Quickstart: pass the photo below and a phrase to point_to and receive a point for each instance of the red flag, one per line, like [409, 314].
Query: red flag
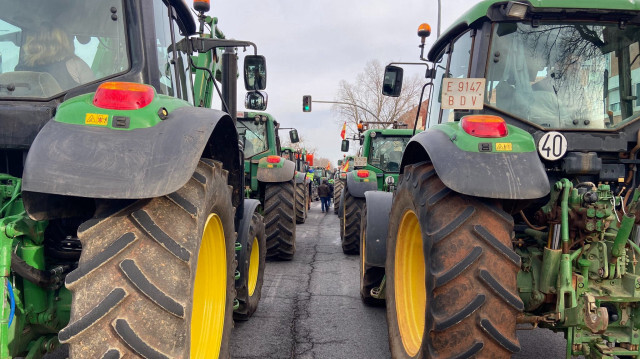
[328, 166]
[343, 133]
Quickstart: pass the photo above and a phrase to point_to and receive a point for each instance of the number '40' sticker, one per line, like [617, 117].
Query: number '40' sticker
[552, 146]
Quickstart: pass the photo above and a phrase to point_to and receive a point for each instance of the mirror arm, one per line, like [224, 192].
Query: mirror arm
[415, 123]
[428, 73]
[204, 44]
[212, 79]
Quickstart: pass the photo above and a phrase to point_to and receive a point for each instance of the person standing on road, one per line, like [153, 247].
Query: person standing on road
[324, 192]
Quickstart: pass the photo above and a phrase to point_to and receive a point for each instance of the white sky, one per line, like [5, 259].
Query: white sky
[311, 45]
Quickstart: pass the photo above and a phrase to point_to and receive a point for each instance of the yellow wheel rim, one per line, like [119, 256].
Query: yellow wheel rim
[409, 289]
[209, 292]
[254, 263]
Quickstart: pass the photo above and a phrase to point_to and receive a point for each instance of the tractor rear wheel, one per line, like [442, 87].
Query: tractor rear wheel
[280, 220]
[337, 191]
[156, 279]
[370, 276]
[301, 202]
[251, 266]
[450, 273]
[350, 222]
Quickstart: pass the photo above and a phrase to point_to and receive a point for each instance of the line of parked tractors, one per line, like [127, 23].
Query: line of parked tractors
[135, 219]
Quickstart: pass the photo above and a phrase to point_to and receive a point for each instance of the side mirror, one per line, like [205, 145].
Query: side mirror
[361, 140]
[293, 136]
[255, 72]
[392, 83]
[339, 162]
[344, 147]
[256, 100]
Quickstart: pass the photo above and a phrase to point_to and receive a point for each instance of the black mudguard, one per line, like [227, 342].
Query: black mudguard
[250, 206]
[378, 210]
[301, 177]
[280, 174]
[96, 162]
[501, 175]
[357, 189]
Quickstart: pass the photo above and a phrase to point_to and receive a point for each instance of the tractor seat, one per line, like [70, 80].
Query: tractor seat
[28, 84]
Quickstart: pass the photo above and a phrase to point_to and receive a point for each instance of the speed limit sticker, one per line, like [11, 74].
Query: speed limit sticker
[552, 146]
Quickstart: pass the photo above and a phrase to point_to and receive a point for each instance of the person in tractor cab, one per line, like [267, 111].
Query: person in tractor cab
[50, 49]
[324, 193]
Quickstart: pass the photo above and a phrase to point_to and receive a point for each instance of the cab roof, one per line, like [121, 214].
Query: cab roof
[392, 131]
[608, 10]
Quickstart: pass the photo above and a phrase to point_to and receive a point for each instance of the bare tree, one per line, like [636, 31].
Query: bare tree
[321, 162]
[366, 91]
[300, 145]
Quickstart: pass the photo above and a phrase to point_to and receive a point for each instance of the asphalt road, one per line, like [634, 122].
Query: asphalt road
[311, 308]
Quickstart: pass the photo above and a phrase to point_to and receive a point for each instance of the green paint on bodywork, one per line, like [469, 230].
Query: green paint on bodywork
[520, 140]
[40, 312]
[74, 111]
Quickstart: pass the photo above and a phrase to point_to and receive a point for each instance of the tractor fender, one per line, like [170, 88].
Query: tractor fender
[301, 177]
[250, 206]
[357, 189]
[502, 175]
[277, 174]
[378, 210]
[98, 162]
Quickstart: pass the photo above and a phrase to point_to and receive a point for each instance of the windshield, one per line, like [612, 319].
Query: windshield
[254, 136]
[287, 154]
[565, 76]
[49, 47]
[386, 152]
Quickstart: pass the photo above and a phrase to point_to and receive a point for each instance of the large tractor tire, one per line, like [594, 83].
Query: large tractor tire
[350, 223]
[280, 220]
[301, 202]
[156, 279]
[451, 273]
[337, 192]
[370, 276]
[251, 264]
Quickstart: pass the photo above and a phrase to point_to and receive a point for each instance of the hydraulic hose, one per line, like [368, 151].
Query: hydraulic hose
[12, 302]
[36, 276]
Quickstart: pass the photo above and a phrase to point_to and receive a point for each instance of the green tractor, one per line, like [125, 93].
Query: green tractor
[375, 169]
[303, 184]
[271, 179]
[519, 204]
[121, 193]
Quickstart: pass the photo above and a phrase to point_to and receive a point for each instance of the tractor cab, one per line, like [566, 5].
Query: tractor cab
[381, 152]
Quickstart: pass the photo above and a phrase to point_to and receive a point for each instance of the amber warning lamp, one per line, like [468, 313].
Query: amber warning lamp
[424, 30]
[201, 5]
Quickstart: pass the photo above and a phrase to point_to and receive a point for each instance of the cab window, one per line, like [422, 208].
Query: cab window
[167, 73]
[460, 58]
[436, 97]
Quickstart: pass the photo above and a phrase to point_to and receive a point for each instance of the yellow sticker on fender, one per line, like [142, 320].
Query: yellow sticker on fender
[504, 146]
[96, 119]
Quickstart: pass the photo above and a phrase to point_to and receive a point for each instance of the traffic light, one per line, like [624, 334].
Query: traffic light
[306, 103]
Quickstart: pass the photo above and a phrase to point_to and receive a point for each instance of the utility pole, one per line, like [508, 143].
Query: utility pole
[439, 11]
